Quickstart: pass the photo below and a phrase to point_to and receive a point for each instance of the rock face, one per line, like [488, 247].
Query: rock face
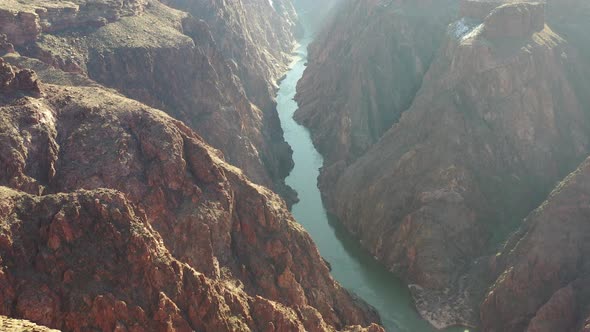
[18, 80]
[498, 120]
[178, 240]
[256, 36]
[176, 62]
[353, 89]
[90, 260]
[19, 325]
[24, 21]
[543, 270]
[5, 46]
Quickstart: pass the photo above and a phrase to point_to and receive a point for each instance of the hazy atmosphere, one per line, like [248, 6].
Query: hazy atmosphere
[295, 165]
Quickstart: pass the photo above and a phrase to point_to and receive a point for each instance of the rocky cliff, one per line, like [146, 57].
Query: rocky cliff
[115, 216]
[177, 62]
[498, 120]
[364, 70]
[255, 36]
[543, 270]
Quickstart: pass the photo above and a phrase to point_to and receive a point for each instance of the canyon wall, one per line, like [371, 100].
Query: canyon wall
[215, 70]
[115, 216]
[363, 71]
[543, 273]
[434, 184]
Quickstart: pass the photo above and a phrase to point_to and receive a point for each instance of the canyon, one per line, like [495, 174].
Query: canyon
[289, 165]
[442, 126]
[117, 216]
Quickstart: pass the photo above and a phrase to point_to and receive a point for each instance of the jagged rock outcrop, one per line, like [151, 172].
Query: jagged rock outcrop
[19, 325]
[543, 282]
[497, 122]
[90, 260]
[208, 249]
[13, 80]
[353, 89]
[170, 60]
[5, 46]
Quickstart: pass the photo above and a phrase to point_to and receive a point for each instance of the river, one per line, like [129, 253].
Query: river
[352, 266]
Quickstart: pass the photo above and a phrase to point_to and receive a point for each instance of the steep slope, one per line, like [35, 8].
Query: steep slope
[364, 69]
[543, 282]
[497, 122]
[255, 36]
[90, 260]
[173, 207]
[167, 59]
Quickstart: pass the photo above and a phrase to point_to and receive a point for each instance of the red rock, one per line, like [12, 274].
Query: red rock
[557, 314]
[21, 27]
[496, 122]
[170, 60]
[541, 280]
[174, 207]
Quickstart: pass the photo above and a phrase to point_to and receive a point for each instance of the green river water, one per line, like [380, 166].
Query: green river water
[352, 266]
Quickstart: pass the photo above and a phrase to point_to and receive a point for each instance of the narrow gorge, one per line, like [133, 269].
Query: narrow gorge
[444, 125]
[351, 265]
[295, 165]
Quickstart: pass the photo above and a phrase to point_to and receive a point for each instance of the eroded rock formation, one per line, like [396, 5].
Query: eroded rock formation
[256, 36]
[178, 240]
[543, 281]
[176, 62]
[14, 80]
[353, 89]
[499, 118]
[24, 21]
